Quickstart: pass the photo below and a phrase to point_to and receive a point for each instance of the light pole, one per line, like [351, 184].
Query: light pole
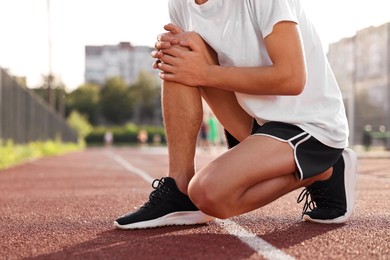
[50, 90]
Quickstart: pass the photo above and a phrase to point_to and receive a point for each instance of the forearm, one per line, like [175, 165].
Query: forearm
[268, 80]
[285, 76]
[190, 66]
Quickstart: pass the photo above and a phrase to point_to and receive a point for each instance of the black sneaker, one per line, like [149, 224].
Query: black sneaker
[332, 201]
[167, 206]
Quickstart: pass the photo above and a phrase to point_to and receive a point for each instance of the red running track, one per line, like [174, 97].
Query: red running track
[63, 208]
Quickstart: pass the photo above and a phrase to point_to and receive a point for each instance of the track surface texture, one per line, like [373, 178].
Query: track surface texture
[63, 208]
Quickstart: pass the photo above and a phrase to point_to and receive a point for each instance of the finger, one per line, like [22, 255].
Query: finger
[162, 45]
[156, 54]
[176, 51]
[173, 28]
[166, 68]
[167, 76]
[167, 59]
[164, 36]
[167, 37]
[155, 64]
[190, 44]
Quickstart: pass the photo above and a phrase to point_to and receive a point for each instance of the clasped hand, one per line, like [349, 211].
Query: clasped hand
[179, 57]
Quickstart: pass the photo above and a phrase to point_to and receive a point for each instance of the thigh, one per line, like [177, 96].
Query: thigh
[311, 156]
[256, 159]
[230, 114]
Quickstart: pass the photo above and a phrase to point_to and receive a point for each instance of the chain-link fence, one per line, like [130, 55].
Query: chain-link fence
[25, 117]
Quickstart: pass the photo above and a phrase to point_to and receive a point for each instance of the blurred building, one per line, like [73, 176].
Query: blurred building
[361, 65]
[124, 60]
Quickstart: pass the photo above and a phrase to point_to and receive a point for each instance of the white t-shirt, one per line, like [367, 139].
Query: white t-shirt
[236, 29]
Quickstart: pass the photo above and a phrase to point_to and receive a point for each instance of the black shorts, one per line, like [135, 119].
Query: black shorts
[311, 156]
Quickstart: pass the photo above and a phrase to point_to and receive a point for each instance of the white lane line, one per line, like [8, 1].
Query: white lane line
[253, 241]
[379, 178]
[125, 164]
[250, 239]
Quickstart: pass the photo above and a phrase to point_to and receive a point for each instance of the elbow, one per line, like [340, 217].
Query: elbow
[298, 85]
[294, 83]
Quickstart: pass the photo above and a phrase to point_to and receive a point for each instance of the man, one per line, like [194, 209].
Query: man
[250, 60]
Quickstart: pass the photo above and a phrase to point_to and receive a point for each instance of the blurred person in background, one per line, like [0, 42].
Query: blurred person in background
[108, 139]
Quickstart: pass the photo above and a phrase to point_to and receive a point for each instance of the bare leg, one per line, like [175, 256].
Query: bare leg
[224, 103]
[259, 170]
[182, 112]
[256, 172]
[230, 114]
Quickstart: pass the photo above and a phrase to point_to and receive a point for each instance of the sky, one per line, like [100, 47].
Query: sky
[24, 30]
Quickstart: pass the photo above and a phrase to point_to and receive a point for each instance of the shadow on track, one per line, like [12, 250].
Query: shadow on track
[162, 243]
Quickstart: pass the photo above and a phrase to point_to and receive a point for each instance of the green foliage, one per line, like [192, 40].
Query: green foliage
[124, 135]
[79, 123]
[146, 93]
[116, 102]
[86, 100]
[11, 154]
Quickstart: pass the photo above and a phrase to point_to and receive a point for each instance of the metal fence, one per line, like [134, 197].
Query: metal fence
[25, 117]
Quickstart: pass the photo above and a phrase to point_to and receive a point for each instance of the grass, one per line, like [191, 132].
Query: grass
[12, 154]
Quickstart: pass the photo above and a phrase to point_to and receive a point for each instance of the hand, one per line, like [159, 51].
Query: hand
[188, 61]
[165, 41]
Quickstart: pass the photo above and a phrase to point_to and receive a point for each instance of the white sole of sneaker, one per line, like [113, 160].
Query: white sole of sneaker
[172, 219]
[350, 172]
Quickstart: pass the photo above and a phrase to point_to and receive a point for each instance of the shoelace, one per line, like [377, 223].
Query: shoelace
[313, 198]
[309, 203]
[160, 191]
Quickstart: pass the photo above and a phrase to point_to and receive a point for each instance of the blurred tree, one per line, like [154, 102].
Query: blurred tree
[116, 102]
[54, 98]
[79, 123]
[22, 81]
[85, 99]
[146, 93]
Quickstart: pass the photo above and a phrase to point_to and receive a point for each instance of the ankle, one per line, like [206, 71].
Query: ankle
[181, 183]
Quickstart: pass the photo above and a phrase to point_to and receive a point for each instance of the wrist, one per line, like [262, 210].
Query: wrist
[210, 77]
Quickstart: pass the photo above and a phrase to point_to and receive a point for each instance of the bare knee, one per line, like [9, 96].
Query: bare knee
[194, 37]
[207, 200]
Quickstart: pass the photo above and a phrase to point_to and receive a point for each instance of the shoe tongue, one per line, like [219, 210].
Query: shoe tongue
[170, 182]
